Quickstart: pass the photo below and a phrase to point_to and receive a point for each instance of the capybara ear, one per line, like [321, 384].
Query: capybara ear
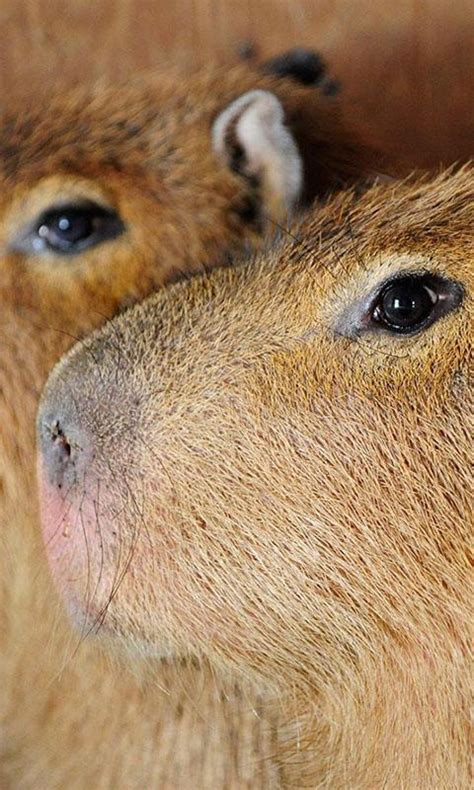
[251, 136]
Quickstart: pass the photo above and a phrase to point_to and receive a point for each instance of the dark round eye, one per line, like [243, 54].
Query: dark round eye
[66, 228]
[405, 304]
[72, 229]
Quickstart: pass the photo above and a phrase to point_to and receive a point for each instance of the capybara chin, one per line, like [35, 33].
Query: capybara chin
[270, 467]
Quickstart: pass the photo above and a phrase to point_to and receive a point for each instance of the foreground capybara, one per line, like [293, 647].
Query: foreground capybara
[106, 194]
[268, 469]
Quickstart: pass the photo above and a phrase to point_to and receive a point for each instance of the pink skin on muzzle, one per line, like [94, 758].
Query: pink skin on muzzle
[71, 526]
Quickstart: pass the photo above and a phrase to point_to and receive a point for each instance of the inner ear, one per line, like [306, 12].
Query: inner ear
[251, 137]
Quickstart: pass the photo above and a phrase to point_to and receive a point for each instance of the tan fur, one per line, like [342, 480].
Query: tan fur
[67, 719]
[289, 502]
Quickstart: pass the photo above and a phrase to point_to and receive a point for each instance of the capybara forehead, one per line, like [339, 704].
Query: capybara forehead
[429, 218]
[67, 136]
[121, 126]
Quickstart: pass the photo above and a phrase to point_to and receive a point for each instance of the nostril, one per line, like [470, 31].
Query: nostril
[59, 439]
[61, 452]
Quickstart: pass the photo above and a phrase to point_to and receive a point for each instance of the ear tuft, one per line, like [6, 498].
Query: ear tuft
[251, 137]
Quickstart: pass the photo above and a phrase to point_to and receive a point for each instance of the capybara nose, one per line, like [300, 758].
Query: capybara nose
[65, 448]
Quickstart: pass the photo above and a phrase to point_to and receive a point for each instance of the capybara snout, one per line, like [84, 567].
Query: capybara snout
[84, 490]
[280, 453]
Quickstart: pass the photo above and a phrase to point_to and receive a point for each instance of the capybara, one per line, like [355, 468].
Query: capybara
[108, 192]
[268, 469]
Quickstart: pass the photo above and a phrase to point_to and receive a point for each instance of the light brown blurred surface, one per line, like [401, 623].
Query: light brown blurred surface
[407, 66]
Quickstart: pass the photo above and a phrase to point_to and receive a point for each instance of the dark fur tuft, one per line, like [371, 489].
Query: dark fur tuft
[302, 65]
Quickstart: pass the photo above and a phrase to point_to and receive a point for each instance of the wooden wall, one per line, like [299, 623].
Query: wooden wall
[408, 66]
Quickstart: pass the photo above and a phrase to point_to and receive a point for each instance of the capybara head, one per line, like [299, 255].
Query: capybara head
[269, 466]
[277, 450]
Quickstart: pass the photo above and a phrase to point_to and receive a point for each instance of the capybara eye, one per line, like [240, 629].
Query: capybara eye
[70, 229]
[405, 304]
[409, 303]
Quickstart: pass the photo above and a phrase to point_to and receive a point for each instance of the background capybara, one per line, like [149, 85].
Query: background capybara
[107, 193]
[269, 469]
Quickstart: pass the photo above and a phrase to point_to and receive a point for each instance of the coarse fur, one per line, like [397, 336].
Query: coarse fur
[68, 718]
[260, 479]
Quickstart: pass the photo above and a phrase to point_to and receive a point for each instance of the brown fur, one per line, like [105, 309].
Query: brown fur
[290, 501]
[145, 149]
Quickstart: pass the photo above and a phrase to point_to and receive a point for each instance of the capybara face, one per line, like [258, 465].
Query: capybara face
[270, 465]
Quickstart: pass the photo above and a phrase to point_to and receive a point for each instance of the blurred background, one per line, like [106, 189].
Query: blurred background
[407, 66]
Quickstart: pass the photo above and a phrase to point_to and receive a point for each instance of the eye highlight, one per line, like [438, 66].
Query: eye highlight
[409, 303]
[70, 229]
